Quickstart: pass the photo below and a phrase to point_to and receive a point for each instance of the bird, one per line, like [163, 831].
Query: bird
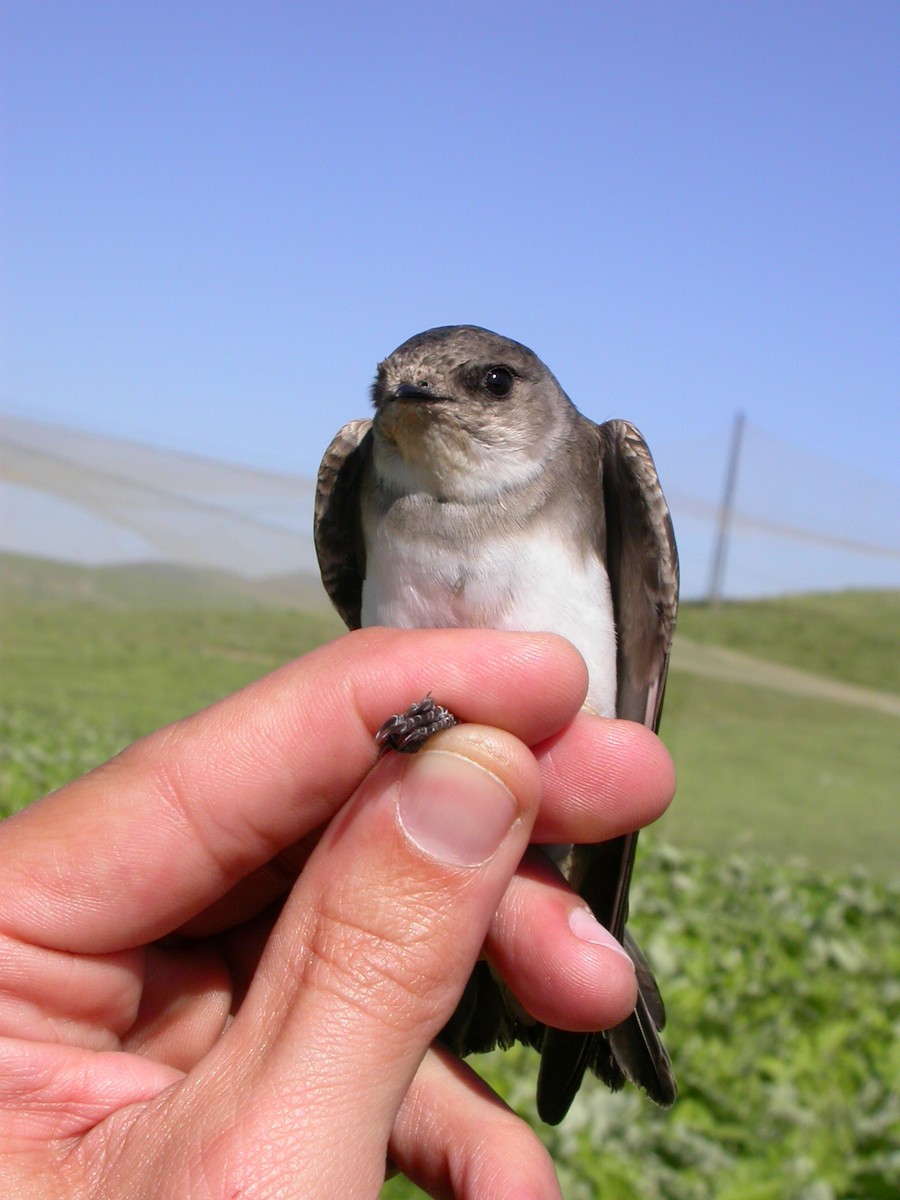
[479, 496]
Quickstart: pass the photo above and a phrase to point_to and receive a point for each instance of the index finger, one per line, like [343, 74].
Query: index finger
[139, 846]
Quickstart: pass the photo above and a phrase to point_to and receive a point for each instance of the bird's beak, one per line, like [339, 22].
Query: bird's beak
[414, 391]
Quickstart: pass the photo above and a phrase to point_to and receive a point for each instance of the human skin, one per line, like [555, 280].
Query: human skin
[225, 954]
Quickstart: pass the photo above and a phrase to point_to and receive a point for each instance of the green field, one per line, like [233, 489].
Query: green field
[93, 659]
[851, 636]
[767, 897]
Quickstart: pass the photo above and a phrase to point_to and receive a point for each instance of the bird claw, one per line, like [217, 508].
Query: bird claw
[409, 731]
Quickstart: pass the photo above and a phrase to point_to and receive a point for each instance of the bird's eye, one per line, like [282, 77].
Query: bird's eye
[499, 381]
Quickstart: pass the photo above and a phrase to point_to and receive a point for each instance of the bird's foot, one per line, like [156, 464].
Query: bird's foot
[408, 732]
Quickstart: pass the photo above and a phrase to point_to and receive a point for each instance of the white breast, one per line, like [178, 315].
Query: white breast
[529, 582]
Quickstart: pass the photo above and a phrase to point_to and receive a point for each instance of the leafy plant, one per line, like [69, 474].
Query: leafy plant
[783, 992]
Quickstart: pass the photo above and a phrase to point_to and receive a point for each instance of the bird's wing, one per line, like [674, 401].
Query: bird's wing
[336, 529]
[642, 564]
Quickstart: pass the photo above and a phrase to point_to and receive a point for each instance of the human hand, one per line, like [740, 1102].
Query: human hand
[202, 994]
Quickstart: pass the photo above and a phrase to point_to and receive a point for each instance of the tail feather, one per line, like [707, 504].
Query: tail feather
[565, 1057]
[632, 1050]
[639, 1052]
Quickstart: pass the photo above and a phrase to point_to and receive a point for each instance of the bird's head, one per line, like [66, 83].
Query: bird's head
[461, 412]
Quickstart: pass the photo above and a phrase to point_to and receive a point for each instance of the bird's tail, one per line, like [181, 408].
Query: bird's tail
[632, 1050]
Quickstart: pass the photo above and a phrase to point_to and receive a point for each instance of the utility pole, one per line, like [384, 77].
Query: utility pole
[726, 510]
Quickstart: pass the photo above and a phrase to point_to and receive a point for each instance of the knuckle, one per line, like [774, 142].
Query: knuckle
[386, 965]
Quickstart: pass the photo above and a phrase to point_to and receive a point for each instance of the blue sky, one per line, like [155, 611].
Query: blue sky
[220, 216]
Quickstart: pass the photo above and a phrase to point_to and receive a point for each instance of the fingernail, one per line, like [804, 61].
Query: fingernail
[454, 809]
[587, 928]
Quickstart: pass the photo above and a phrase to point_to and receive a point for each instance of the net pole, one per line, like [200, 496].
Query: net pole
[726, 511]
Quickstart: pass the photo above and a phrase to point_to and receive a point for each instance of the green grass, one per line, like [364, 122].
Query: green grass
[784, 775]
[781, 775]
[43, 582]
[758, 769]
[81, 681]
[851, 636]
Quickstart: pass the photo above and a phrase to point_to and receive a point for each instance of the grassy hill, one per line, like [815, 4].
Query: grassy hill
[97, 656]
[42, 582]
[851, 636]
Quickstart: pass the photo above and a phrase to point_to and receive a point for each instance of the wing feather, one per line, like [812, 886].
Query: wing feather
[642, 561]
[336, 529]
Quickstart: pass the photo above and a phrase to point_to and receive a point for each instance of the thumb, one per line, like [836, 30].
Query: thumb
[375, 946]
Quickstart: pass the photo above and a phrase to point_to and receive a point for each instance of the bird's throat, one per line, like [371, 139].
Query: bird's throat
[417, 449]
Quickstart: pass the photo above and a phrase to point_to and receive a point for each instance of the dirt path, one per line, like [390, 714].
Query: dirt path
[718, 662]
